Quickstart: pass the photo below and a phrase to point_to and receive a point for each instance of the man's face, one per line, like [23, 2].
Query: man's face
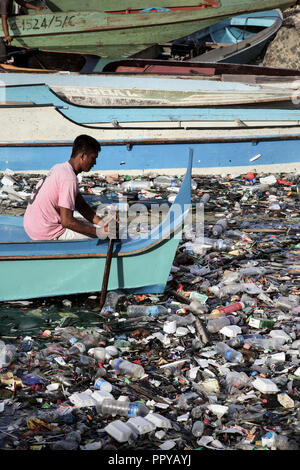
[89, 160]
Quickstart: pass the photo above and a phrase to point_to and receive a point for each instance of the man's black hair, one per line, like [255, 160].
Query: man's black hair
[85, 143]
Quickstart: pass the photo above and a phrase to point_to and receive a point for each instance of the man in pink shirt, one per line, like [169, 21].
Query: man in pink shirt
[49, 214]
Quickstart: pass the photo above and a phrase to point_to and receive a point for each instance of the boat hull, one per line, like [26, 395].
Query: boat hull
[21, 279]
[77, 30]
[144, 151]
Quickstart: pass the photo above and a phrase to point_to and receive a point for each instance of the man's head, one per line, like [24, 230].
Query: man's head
[85, 152]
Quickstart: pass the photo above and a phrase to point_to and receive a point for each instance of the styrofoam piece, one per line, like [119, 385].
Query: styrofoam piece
[230, 331]
[265, 385]
[141, 425]
[170, 327]
[112, 351]
[119, 430]
[218, 410]
[182, 331]
[82, 399]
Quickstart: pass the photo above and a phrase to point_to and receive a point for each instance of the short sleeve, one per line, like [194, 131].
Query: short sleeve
[5, 7]
[67, 194]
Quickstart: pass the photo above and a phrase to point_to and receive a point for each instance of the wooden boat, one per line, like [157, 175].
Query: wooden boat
[35, 137]
[207, 104]
[39, 64]
[79, 30]
[31, 269]
[240, 39]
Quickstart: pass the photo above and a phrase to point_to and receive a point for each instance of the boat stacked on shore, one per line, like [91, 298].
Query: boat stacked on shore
[151, 105]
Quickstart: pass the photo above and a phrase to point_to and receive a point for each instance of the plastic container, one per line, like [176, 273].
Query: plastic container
[218, 245]
[224, 291]
[265, 385]
[112, 407]
[240, 340]
[228, 309]
[141, 425]
[198, 428]
[111, 302]
[98, 353]
[77, 348]
[237, 379]
[205, 198]
[173, 369]
[7, 355]
[219, 227]
[135, 185]
[147, 310]
[159, 420]
[103, 385]
[216, 324]
[128, 368]
[164, 181]
[230, 354]
[120, 431]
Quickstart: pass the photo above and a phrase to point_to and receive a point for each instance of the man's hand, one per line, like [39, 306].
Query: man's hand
[7, 39]
[107, 227]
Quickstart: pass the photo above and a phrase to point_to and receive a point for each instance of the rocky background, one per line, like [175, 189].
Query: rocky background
[284, 50]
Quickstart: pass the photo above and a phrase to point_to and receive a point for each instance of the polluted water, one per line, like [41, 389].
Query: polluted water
[211, 364]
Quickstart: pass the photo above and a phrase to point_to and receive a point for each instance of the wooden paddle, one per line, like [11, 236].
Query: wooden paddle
[107, 267]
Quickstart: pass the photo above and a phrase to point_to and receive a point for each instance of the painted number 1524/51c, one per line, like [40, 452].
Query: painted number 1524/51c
[45, 22]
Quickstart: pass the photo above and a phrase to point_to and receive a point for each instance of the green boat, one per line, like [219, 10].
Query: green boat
[90, 31]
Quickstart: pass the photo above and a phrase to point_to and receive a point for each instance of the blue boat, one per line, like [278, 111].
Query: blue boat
[31, 269]
[252, 105]
[240, 39]
[33, 138]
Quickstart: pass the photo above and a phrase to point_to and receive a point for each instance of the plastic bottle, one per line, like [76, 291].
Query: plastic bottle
[111, 302]
[198, 428]
[217, 245]
[239, 340]
[7, 355]
[205, 198]
[164, 181]
[98, 353]
[147, 310]
[128, 368]
[224, 291]
[237, 379]
[136, 185]
[113, 407]
[89, 341]
[227, 309]
[77, 348]
[230, 354]
[216, 324]
[219, 227]
[103, 385]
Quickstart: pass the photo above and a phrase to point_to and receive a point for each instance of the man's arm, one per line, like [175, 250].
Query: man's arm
[7, 37]
[22, 3]
[85, 210]
[68, 221]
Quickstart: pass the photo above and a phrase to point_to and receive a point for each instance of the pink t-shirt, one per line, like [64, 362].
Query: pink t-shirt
[58, 189]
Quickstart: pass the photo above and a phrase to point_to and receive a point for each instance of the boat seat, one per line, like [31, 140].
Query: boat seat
[11, 229]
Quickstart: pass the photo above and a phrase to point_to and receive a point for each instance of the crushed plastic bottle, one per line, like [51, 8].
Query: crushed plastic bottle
[113, 407]
[127, 367]
[230, 354]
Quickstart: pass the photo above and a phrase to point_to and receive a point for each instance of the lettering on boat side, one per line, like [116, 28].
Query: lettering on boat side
[41, 22]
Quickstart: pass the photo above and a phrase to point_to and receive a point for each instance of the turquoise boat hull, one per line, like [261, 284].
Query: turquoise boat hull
[33, 269]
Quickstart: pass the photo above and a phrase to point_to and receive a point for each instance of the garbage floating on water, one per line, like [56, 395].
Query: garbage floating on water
[212, 363]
